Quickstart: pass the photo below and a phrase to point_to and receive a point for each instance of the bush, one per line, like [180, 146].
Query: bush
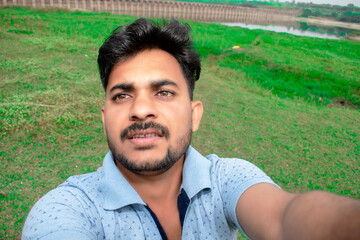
[306, 13]
[317, 14]
[334, 15]
[349, 17]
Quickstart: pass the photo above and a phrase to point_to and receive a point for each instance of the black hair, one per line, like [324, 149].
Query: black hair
[170, 36]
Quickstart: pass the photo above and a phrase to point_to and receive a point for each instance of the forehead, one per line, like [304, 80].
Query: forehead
[146, 67]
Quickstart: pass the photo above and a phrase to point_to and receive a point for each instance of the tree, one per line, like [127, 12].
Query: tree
[349, 17]
[306, 13]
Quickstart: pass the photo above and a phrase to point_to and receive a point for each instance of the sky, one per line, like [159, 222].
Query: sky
[333, 2]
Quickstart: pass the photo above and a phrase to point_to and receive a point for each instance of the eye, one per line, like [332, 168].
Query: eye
[165, 93]
[120, 97]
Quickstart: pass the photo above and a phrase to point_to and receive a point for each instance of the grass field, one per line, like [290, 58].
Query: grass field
[289, 104]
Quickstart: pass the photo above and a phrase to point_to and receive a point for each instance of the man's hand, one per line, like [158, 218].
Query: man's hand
[267, 212]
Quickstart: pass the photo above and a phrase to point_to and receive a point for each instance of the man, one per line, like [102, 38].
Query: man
[153, 184]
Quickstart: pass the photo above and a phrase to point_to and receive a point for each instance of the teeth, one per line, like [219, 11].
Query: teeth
[145, 135]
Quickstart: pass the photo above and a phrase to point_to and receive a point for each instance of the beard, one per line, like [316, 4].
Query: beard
[174, 153]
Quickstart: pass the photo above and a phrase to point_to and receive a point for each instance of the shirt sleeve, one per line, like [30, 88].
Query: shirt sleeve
[63, 213]
[235, 177]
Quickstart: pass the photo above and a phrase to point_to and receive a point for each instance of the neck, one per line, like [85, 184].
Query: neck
[156, 187]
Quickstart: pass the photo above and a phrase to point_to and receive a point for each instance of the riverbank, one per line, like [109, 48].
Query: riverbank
[329, 23]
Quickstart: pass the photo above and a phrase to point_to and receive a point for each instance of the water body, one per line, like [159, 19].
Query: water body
[302, 30]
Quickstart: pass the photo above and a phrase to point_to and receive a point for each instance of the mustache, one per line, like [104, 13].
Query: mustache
[143, 126]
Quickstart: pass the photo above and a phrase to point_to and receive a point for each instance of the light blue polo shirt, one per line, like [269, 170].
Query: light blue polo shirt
[103, 205]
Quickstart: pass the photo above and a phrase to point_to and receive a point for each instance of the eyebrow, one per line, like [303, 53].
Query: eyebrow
[123, 86]
[155, 84]
[163, 83]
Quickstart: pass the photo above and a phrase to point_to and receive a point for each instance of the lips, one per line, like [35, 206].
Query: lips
[144, 133]
[144, 138]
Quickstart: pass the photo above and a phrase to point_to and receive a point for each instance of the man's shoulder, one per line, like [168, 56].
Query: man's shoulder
[234, 172]
[219, 169]
[214, 160]
[224, 162]
[84, 181]
[77, 188]
[74, 201]
[83, 186]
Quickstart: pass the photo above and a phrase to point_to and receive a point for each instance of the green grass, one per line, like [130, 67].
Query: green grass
[277, 102]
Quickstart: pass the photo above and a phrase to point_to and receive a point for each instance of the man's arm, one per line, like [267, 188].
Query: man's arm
[267, 212]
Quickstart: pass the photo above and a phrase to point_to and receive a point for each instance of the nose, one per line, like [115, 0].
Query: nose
[143, 108]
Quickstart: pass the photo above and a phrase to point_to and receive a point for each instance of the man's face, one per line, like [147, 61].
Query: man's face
[148, 116]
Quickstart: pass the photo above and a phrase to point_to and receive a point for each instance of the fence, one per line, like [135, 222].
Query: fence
[167, 9]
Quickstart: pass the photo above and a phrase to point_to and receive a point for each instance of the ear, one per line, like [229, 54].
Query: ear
[197, 112]
[103, 118]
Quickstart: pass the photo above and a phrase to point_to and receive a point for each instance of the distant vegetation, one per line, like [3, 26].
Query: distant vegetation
[350, 17]
[349, 7]
[349, 13]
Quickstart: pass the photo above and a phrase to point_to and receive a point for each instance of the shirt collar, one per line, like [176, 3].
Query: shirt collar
[118, 193]
[196, 173]
[114, 188]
